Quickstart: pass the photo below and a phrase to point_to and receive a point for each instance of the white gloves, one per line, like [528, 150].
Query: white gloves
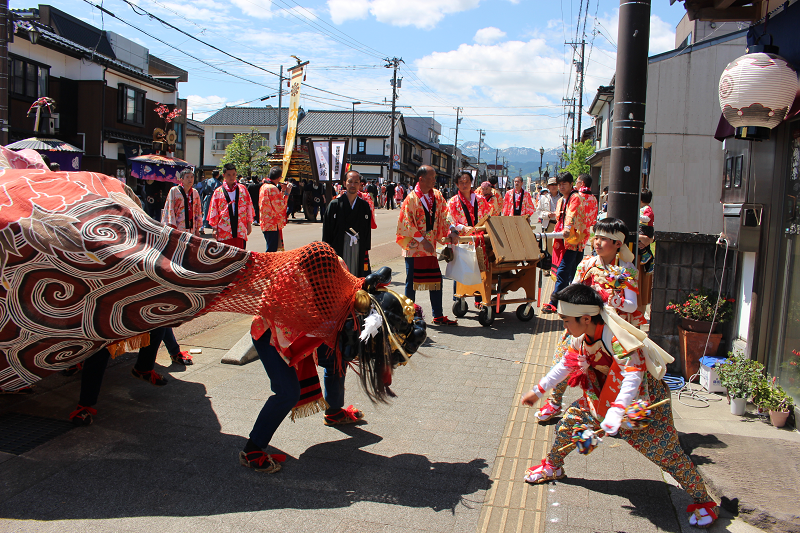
[612, 420]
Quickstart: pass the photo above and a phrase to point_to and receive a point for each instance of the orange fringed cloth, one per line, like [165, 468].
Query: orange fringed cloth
[304, 296]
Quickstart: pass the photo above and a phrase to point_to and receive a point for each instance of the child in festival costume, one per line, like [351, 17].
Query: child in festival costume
[612, 274]
[614, 363]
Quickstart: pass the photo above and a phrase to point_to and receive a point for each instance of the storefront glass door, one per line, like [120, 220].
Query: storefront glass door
[784, 360]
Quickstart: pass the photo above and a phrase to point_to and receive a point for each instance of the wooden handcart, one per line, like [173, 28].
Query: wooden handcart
[512, 255]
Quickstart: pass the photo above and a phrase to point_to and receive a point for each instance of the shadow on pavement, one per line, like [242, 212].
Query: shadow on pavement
[161, 452]
[646, 496]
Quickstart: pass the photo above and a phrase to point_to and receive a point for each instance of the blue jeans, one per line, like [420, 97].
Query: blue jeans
[566, 270]
[436, 296]
[333, 382]
[285, 386]
[273, 240]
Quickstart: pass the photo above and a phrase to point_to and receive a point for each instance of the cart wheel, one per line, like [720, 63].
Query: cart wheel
[486, 316]
[460, 307]
[521, 313]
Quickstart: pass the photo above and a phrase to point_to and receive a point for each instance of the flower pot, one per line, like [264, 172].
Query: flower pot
[738, 406]
[699, 326]
[778, 418]
[692, 346]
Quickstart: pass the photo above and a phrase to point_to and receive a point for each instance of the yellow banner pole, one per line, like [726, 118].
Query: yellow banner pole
[295, 81]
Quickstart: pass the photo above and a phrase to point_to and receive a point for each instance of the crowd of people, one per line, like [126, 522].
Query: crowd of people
[601, 297]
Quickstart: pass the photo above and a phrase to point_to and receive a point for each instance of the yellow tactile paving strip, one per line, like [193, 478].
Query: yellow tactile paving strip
[511, 505]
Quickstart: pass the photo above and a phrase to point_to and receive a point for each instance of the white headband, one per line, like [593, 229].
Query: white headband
[616, 236]
[624, 252]
[568, 309]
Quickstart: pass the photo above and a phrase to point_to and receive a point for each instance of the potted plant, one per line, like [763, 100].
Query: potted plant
[771, 396]
[697, 331]
[741, 376]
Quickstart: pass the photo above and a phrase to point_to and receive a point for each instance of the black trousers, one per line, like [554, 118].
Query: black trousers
[94, 368]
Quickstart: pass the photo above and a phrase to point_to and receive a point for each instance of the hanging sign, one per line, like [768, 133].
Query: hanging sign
[295, 81]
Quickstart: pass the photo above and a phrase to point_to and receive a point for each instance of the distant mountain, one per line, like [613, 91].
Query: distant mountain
[516, 154]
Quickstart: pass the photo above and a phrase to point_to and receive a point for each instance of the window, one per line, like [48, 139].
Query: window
[131, 105]
[361, 146]
[28, 79]
[179, 133]
[733, 172]
[598, 132]
[222, 140]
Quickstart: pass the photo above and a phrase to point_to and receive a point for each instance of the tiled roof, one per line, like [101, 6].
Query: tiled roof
[194, 125]
[247, 116]
[68, 47]
[339, 123]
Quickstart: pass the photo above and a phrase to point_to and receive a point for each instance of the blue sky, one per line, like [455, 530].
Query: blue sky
[503, 61]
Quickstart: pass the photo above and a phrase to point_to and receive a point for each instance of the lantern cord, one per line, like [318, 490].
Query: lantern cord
[687, 390]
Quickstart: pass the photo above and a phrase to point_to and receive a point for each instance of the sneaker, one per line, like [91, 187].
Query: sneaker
[444, 321]
[702, 515]
[183, 358]
[549, 309]
[151, 376]
[259, 461]
[548, 411]
[82, 416]
[351, 415]
[543, 473]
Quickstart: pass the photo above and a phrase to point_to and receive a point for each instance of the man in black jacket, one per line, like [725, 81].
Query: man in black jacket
[349, 211]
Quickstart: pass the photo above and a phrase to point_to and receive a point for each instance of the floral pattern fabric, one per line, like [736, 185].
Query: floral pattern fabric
[459, 218]
[495, 203]
[610, 279]
[220, 219]
[411, 225]
[527, 204]
[271, 208]
[581, 216]
[174, 212]
[368, 197]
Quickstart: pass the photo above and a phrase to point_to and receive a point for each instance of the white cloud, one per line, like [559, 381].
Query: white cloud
[344, 10]
[202, 107]
[488, 35]
[423, 14]
[255, 8]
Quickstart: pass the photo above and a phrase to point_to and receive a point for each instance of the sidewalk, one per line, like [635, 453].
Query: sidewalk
[447, 455]
[166, 458]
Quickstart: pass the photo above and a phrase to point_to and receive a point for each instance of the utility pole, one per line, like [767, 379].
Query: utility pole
[629, 107]
[280, 102]
[456, 159]
[393, 63]
[580, 90]
[579, 65]
[480, 144]
[4, 72]
[570, 103]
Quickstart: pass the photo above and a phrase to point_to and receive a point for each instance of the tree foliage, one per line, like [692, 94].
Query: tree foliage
[576, 158]
[249, 152]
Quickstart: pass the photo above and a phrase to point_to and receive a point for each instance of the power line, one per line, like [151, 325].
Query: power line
[107, 12]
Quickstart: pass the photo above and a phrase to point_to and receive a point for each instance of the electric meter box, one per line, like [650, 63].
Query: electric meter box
[741, 226]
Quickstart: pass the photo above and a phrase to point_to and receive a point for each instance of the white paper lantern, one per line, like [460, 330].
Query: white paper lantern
[756, 92]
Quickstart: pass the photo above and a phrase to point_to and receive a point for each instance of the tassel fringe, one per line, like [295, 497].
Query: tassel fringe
[427, 286]
[308, 409]
[128, 345]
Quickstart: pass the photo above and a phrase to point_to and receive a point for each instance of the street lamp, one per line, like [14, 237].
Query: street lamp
[541, 158]
[352, 129]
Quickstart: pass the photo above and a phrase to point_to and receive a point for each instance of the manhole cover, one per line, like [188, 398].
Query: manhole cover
[21, 433]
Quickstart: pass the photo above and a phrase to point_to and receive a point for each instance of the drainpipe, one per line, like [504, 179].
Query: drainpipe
[103, 124]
